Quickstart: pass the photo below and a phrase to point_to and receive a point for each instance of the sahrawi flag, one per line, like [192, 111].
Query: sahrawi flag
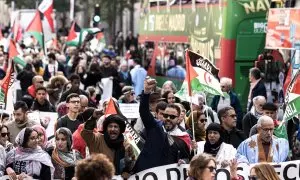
[8, 80]
[46, 7]
[74, 35]
[292, 99]
[200, 77]
[35, 28]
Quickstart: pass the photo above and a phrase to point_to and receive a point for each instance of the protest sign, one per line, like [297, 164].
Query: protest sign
[286, 170]
[46, 119]
[130, 110]
[283, 28]
[107, 86]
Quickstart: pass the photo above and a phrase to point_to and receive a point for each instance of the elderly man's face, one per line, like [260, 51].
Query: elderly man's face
[259, 104]
[266, 131]
[225, 87]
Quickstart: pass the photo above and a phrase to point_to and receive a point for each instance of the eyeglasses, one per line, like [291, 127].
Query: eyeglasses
[252, 177]
[5, 134]
[74, 102]
[40, 134]
[170, 116]
[232, 115]
[212, 169]
[267, 129]
[40, 82]
[202, 120]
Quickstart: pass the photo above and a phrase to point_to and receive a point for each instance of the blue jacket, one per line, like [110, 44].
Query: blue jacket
[234, 102]
[157, 150]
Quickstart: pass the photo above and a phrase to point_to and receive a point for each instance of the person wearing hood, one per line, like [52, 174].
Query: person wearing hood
[165, 142]
[215, 146]
[20, 120]
[29, 159]
[250, 119]
[64, 158]
[110, 142]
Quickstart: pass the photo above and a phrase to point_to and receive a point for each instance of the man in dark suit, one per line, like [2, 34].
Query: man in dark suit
[257, 86]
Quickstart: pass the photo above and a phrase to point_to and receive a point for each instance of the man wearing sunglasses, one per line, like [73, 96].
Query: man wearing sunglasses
[264, 146]
[165, 142]
[232, 135]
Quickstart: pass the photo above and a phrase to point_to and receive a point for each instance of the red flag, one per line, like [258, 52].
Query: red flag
[46, 7]
[111, 108]
[72, 33]
[12, 50]
[35, 28]
[36, 24]
[190, 72]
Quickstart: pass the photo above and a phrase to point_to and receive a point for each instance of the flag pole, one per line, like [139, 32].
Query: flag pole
[206, 105]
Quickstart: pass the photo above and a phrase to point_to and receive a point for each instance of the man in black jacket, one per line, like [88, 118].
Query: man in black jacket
[53, 67]
[41, 103]
[231, 134]
[165, 142]
[257, 86]
[75, 82]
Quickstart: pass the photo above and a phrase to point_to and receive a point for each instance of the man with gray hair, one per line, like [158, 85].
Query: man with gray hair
[232, 100]
[250, 119]
[264, 146]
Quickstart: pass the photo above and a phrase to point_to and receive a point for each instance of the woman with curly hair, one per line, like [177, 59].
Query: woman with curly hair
[97, 167]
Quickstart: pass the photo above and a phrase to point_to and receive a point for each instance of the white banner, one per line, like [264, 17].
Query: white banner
[286, 171]
[130, 111]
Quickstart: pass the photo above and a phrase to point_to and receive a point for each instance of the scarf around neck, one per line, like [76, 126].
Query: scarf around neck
[65, 159]
[118, 147]
[212, 149]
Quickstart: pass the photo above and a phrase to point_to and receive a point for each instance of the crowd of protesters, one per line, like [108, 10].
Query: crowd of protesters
[67, 80]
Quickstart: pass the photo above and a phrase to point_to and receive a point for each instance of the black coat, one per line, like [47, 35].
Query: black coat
[46, 107]
[233, 137]
[249, 121]
[47, 74]
[157, 150]
[258, 90]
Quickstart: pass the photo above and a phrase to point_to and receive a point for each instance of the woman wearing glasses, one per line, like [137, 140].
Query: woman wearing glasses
[199, 125]
[28, 159]
[4, 138]
[202, 167]
[43, 139]
[215, 146]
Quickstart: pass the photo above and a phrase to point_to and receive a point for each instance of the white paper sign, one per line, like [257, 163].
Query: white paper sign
[130, 111]
[107, 86]
[48, 120]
